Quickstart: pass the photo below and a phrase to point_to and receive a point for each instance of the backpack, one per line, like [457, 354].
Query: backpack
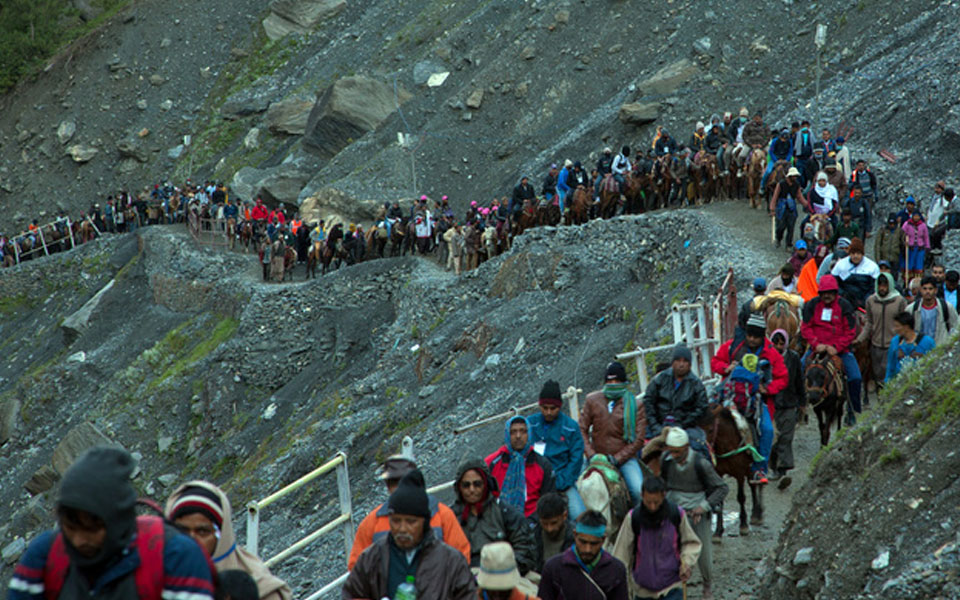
[944, 313]
[148, 577]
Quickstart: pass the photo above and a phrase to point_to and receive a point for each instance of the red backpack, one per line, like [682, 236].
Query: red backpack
[148, 576]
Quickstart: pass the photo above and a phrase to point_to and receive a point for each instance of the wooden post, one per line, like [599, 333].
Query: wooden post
[43, 241]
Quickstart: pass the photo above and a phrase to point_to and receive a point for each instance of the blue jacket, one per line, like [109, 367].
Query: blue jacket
[562, 178]
[186, 572]
[564, 447]
[921, 345]
[780, 150]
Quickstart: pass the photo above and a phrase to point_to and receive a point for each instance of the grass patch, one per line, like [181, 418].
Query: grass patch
[11, 305]
[222, 332]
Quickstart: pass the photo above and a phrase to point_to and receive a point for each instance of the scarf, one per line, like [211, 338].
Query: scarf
[619, 391]
[588, 567]
[514, 490]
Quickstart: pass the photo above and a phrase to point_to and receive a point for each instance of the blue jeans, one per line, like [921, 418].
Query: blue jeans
[766, 174]
[765, 443]
[575, 506]
[852, 370]
[633, 477]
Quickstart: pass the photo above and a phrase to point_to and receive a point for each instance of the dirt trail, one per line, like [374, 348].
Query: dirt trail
[737, 558]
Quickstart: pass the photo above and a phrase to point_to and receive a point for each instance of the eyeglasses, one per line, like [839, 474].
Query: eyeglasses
[468, 484]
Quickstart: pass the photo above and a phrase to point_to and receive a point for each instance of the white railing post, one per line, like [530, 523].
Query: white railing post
[253, 528]
[43, 241]
[70, 229]
[346, 502]
[407, 448]
[641, 362]
[16, 250]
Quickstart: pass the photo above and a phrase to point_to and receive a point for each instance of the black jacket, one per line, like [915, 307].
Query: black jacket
[665, 146]
[520, 194]
[605, 165]
[538, 538]
[791, 396]
[664, 398]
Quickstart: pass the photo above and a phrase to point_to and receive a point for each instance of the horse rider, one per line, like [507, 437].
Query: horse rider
[780, 148]
[753, 136]
[830, 325]
[563, 184]
[835, 176]
[698, 141]
[856, 273]
[842, 156]
[733, 134]
[621, 166]
[612, 424]
[714, 142]
[803, 152]
[604, 168]
[863, 194]
[557, 437]
[822, 148]
[784, 203]
[730, 356]
[522, 192]
[523, 475]
[676, 392]
[549, 188]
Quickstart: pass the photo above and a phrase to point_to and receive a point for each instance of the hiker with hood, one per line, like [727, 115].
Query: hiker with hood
[203, 511]
[485, 519]
[522, 475]
[612, 424]
[556, 436]
[102, 550]
[585, 571]
[878, 327]
[376, 524]
[657, 545]
[410, 553]
[694, 485]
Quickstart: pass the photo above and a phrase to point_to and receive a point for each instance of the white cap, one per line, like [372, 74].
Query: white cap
[677, 438]
[700, 125]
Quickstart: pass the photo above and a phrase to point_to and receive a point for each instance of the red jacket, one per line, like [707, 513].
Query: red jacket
[259, 212]
[839, 331]
[539, 475]
[778, 369]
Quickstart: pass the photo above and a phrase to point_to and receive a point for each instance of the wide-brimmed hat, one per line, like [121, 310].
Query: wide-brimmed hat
[793, 172]
[498, 568]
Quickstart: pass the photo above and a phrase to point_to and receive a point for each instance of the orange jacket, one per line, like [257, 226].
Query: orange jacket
[295, 225]
[377, 524]
[807, 281]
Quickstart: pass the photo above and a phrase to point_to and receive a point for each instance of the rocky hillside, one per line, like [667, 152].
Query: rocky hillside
[306, 97]
[878, 518]
[187, 359]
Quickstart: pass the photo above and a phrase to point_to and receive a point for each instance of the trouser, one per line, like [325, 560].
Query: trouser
[852, 370]
[575, 505]
[423, 244]
[786, 225]
[781, 456]
[266, 271]
[633, 477]
[720, 157]
[561, 197]
[878, 360]
[936, 236]
[703, 529]
[763, 434]
[802, 165]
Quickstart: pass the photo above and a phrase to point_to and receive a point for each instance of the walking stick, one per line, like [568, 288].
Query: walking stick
[684, 590]
[773, 229]
[906, 267]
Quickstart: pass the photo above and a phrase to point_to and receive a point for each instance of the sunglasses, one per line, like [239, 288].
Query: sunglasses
[468, 484]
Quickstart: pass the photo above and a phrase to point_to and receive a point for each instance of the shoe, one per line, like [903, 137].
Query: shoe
[775, 475]
[785, 482]
[759, 478]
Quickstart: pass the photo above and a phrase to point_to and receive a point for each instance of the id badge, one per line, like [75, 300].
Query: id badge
[540, 447]
[826, 315]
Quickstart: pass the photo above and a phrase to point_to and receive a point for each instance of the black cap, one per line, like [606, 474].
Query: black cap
[615, 371]
[410, 497]
[550, 394]
[952, 276]
[681, 352]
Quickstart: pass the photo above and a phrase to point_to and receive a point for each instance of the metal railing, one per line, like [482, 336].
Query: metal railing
[210, 231]
[44, 243]
[344, 521]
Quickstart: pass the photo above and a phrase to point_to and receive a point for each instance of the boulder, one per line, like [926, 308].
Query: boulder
[42, 480]
[246, 182]
[299, 16]
[333, 205]
[246, 102]
[289, 116]
[74, 325]
[81, 153]
[77, 441]
[475, 99]
[131, 148]
[65, 131]
[348, 109]
[423, 70]
[639, 113]
[274, 185]
[9, 413]
[668, 79]
[251, 141]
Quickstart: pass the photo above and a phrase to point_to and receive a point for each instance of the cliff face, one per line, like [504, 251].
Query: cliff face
[311, 95]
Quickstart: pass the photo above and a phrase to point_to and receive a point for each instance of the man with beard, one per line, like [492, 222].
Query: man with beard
[410, 554]
[657, 569]
[102, 549]
[585, 571]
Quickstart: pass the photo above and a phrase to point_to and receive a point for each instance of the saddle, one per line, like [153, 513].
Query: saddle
[609, 184]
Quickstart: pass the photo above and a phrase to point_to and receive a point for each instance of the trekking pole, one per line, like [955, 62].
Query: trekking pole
[773, 229]
[684, 590]
[906, 267]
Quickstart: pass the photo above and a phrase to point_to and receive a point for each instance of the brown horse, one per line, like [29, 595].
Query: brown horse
[609, 196]
[756, 165]
[314, 256]
[527, 218]
[636, 193]
[665, 182]
[548, 213]
[246, 235]
[579, 209]
[732, 182]
[826, 390]
[711, 171]
[818, 228]
[329, 255]
[289, 261]
[87, 232]
[779, 314]
[778, 172]
[727, 442]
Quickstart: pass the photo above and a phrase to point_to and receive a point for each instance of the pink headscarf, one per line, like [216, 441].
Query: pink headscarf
[786, 336]
[473, 203]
